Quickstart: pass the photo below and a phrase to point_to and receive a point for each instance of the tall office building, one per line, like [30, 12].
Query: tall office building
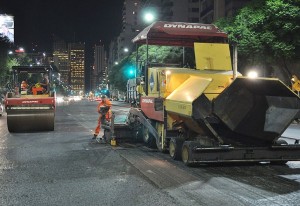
[180, 11]
[131, 25]
[113, 53]
[193, 11]
[61, 61]
[212, 10]
[99, 73]
[77, 65]
[232, 6]
[203, 11]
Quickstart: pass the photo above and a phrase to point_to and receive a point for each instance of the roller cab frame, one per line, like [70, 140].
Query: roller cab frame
[29, 107]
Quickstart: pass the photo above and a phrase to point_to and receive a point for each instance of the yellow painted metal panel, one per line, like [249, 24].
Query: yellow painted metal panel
[296, 84]
[35, 96]
[166, 80]
[212, 56]
[181, 99]
[181, 108]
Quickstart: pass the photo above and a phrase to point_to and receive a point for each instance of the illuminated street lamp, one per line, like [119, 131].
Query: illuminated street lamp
[149, 17]
[252, 74]
[126, 49]
[149, 14]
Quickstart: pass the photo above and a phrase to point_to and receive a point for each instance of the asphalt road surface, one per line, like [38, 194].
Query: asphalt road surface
[65, 167]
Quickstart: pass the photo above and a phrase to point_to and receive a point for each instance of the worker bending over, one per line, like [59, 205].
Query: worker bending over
[104, 110]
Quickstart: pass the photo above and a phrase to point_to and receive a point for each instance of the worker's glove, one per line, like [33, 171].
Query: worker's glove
[103, 110]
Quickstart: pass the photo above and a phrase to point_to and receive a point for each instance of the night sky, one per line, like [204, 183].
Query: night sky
[88, 21]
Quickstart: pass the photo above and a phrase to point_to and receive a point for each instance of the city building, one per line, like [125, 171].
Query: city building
[132, 23]
[113, 53]
[61, 61]
[99, 73]
[180, 11]
[212, 10]
[193, 11]
[77, 67]
[130, 27]
[199, 11]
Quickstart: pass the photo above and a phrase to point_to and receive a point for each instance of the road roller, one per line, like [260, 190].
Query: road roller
[210, 113]
[30, 102]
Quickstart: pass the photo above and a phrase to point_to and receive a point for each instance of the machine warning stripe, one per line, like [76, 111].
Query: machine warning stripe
[16, 101]
[23, 108]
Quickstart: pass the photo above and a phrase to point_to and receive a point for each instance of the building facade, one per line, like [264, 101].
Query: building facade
[99, 73]
[61, 61]
[77, 67]
[212, 10]
[180, 11]
[131, 25]
[193, 11]
[199, 11]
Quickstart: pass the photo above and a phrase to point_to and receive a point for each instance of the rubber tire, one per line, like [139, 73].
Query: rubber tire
[159, 146]
[148, 138]
[175, 148]
[279, 142]
[185, 154]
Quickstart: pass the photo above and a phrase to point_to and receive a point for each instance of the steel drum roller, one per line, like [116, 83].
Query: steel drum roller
[30, 120]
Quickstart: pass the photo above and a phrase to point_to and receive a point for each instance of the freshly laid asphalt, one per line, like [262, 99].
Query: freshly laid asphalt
[65, 167]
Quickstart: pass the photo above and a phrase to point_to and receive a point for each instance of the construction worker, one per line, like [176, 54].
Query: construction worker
[104, 110]
[45, 83]
[24, 86]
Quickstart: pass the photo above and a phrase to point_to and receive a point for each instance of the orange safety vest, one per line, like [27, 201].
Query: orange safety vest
[105, 103]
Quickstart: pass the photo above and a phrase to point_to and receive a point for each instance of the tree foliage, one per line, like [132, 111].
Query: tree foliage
[156, 55]
[7, 61]
[266, 31]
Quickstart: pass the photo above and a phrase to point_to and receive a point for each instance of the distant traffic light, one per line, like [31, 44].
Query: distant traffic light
[129, 71]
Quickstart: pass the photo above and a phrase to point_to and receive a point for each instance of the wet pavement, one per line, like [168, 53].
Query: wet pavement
[65, 167]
